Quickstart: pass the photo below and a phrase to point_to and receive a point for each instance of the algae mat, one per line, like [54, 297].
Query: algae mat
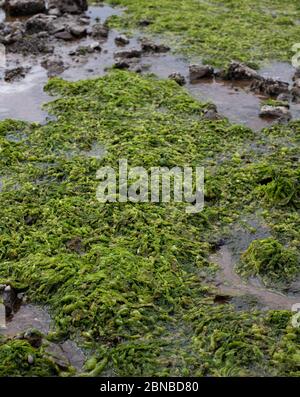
[133, 282]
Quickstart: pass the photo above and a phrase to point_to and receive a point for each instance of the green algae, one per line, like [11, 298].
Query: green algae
[133, 292]
[217, 31]
[271, 260]
[14, 360]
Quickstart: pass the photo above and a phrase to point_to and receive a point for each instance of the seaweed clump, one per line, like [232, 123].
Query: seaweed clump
[271, 260]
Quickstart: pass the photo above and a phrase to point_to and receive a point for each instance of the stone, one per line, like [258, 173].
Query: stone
[275, 111]
[179, 78]
[64, 35]
[133, 53]
[24, 7]
[54, 66]
[100, 31]
[38, 23]
[122, 40]
[68, 6]
[269, 86]
[239, 71]
[198, 72]
[78, 31]
[150, 46]
[15, 74]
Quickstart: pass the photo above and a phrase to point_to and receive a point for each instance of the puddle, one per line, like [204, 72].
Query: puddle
[23, 100]
[230, 283]
[28, 316]
[102, 12]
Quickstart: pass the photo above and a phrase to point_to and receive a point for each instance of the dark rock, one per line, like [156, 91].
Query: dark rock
[39, 23]
[122, 64]
[297, 74]
[75, 245]
[275, 112]
[24, 7]
[9, 298]
[68, 6]
[78, 31]
[179, 78]
[54, 66]
[269, 87]
[122, 40]
[198, 72]
[133, 53]
[145, 22]
[150, 46]
[100, 31]
[239, 71]
[64, 35]
[15, 74]
[89, 49]
[31, 45]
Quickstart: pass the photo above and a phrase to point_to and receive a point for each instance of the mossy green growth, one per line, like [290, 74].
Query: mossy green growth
[270, 260]
[125, 277]
[218, 31]
[14, 361]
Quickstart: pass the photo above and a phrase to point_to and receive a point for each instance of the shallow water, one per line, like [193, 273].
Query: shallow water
[230, 283]
[27, 317]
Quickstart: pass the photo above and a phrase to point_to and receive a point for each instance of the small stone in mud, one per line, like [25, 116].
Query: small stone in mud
[64, 35]
[128, 54]
[56, 353]
[275, 111]
[83, 50]
[100, 31]
[122, 40]
[178, 78]
[198, 72]
[78, 31]
[54, 66]
[239, 71]
[30, 359]
[15, 74]
[150, 46]
[122, 64]
[24, 7]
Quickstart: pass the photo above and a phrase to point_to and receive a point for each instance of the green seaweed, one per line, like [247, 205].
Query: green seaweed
[133, 281]
[218, 31]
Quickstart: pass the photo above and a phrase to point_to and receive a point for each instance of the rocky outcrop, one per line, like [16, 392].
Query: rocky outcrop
[198, 72]
[68, 6]
[277, 112]
[239, 71]
[269, 87]
[24, 7]
[150, 46]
